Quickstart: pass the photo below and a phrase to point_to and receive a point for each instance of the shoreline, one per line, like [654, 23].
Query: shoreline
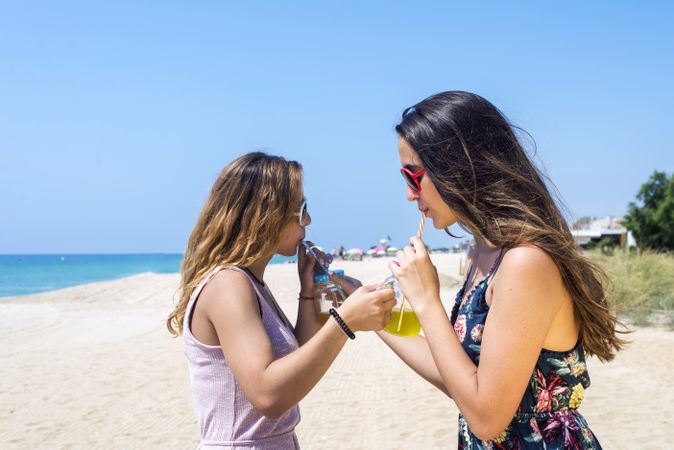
[288, 260]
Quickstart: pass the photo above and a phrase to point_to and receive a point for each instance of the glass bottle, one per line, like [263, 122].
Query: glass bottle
[327, 295]
[405, 323]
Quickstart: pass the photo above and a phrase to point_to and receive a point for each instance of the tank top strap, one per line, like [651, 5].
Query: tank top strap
[265, 298]
[272, 300]
[200, 287]
[253, 283]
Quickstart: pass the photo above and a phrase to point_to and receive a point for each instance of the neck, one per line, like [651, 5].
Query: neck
[482, 246]
[484, 254]
[258, 268]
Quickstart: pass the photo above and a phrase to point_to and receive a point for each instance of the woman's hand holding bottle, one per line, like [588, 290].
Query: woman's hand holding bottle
[367, 308]
[416, 274]
[347, 283]
[305, 269]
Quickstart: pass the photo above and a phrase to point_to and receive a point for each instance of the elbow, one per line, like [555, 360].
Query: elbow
[487, 430]
[441, 387]
[271, 408]
[274, 413]
[486, 434]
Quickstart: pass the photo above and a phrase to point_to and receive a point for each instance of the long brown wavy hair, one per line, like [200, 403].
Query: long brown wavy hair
[252, 200]
[485, 176]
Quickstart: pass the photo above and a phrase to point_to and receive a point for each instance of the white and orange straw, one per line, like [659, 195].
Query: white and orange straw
[420, 232]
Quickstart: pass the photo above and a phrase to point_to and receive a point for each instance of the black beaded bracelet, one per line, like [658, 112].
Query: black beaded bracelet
[345, 328]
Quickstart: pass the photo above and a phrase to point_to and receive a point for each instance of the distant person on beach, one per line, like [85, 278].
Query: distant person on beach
[249, 366]
[512, 353]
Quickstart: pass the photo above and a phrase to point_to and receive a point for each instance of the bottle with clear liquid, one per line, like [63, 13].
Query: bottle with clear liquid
[327, 295]
[405, 323]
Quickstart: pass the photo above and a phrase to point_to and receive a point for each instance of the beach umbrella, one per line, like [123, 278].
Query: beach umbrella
[355, 254]
[391, 249]
[372, 251]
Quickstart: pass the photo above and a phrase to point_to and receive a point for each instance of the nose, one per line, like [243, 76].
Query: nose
[412, 195]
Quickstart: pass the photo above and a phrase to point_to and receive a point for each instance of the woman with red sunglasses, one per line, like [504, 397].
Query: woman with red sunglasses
[512, 352]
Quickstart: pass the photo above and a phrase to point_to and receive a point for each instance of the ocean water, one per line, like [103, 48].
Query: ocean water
[30, 274]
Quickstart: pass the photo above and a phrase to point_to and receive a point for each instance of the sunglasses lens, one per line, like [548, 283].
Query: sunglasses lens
[410, 181]
[304, 213]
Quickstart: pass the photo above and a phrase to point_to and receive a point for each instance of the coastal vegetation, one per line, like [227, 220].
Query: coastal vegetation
[642, 279]
[642, 285]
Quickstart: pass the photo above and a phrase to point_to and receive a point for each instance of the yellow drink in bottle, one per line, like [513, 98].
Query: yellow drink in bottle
[327, 296]
[409, 326]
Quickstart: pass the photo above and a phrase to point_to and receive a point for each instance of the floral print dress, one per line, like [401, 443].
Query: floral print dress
[548, 416]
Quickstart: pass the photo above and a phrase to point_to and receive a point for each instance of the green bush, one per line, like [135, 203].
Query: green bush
[651, 218]
[642, 285]
[606, 245]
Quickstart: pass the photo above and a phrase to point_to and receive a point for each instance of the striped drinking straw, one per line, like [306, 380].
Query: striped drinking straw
[420, 231]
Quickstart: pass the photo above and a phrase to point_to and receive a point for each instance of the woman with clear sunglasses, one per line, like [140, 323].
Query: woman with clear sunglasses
[512, 352]
[249, 365]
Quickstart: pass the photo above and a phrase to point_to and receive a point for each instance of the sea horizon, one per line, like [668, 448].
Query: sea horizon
[33, 273]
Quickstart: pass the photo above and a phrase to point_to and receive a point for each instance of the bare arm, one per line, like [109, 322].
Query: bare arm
[415, 353]
[275, 385]
[413, 350]
[524, 304]
[307, 323]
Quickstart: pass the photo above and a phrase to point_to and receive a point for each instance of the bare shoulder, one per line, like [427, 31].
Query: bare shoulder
[528, 268]
[529, 276]
[225, 287]
[530, 260]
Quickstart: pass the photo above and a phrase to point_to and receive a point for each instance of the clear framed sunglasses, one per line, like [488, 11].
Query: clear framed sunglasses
[303, 214]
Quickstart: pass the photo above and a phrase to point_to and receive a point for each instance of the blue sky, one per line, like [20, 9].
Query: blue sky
[115, 117]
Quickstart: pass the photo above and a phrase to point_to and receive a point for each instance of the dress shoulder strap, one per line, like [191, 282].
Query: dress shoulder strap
[496, 265]
[469, 274]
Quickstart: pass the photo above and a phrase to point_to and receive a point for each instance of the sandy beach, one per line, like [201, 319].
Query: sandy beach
[94, 367]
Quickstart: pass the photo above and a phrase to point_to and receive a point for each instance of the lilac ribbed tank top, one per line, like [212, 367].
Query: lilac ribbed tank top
[226, 417]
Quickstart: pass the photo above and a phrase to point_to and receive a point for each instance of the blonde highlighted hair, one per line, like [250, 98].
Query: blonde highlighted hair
[252, 200]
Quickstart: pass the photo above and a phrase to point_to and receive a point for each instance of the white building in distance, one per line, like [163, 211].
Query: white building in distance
[588, 229]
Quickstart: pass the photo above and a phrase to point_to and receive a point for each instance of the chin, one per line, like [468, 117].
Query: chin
[438, 225]
[288, 251]
[442, 224]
